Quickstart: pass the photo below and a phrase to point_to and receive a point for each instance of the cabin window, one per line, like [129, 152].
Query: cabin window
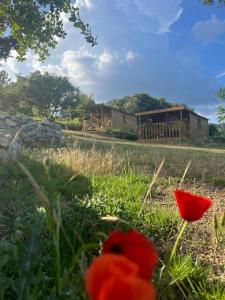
[124, 119]
[199, 124]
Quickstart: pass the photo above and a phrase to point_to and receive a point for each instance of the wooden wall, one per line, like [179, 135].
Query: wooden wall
[123, 121]
[198, 126]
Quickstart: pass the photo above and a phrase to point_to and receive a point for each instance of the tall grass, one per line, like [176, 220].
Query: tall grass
[60, 204]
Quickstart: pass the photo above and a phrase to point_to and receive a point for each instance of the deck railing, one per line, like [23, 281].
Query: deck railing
[95, 125]
[161, 131]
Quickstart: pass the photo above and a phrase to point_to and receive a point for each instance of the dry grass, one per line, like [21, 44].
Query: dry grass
[86, 162]
[207, 164]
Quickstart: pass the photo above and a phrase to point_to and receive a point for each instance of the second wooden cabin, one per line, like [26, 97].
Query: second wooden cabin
[171, 123]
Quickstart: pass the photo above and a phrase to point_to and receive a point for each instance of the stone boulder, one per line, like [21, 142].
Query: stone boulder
[45, 132]
[11, 124]
[16, 131]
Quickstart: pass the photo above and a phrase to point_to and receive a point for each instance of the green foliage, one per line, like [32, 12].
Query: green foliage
[219, 182]
[83, 101]
[36, 25]
[57, 93]
[44, 95]
[215, 130]
[4, 78]
[139, 103]
[58, 97]
[221, 108]
[122, 134]
[182, 279]
[69, 124]
[210, 2]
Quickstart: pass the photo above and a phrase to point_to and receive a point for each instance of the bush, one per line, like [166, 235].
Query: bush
[219, 182]
[69, 124]
[121, 134]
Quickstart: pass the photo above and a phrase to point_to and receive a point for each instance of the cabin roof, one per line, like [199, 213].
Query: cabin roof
[164, 110]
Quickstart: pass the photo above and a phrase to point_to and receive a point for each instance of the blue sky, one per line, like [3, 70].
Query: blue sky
[172, 49]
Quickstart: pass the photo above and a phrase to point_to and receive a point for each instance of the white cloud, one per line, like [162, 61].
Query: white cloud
[11, 66]
[163, 13]
[208, 31]
[130, 55]
[105, 58]
[220, 75]
[207, 111]
[166, 12]
[86, 3]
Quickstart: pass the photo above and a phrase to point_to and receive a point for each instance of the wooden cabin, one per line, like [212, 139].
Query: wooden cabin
[100, 117]
[171, 123]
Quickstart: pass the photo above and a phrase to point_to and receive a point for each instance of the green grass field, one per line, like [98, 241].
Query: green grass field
[91, 185]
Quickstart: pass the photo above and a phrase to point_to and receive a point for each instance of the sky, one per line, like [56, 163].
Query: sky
[172, 49]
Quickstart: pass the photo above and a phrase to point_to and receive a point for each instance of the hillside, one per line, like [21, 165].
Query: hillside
[139, 102]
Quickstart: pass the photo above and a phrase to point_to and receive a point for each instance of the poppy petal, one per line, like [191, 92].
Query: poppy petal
[127, 287]
[191, 207]
[136, 247]
[105, 266]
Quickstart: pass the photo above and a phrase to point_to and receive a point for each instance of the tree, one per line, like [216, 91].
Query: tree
[36, 25]
[12, 95]
[48, 94]
[221, 108]
[139, 103]
[4, 78]
[210, 2]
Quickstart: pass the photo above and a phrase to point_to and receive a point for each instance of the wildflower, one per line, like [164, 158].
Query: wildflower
[123, 287]
[134, 246]
[41, 210]
[191, 207]
[114, 277]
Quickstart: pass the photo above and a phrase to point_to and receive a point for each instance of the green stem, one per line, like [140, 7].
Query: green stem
[177, 240]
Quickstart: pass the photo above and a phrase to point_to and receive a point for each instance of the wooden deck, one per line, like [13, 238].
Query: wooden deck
[95, 125]
[161, 131]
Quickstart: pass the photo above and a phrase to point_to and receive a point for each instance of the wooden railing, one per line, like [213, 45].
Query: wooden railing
[95, 125]
[161, 131]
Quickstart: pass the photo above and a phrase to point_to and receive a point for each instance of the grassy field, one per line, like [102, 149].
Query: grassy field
[87, 187]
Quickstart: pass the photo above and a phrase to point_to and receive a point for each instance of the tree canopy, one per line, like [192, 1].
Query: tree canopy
[221, 107]
[4, 78]
[209, 2]
[36, 25]
[42, 95]
[139, 103]
[49, 94]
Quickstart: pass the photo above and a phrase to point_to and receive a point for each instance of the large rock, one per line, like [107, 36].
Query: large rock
[17, 131]
[45, 132]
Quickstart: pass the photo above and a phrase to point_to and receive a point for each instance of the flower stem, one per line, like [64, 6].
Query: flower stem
[177, 240]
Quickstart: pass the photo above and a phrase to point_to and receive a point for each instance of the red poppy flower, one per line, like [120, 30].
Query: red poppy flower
[136, 247]
[114, 277]
[127, 287]
[191, 207]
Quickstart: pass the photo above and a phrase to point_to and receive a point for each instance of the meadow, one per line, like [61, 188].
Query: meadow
[59, 203]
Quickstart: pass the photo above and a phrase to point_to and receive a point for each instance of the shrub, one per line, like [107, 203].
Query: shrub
[219, 182]
[121, 134]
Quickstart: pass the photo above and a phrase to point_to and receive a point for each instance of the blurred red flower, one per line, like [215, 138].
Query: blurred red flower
[191, 207]
[114, 277]
[136, 247]
[123, 287]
